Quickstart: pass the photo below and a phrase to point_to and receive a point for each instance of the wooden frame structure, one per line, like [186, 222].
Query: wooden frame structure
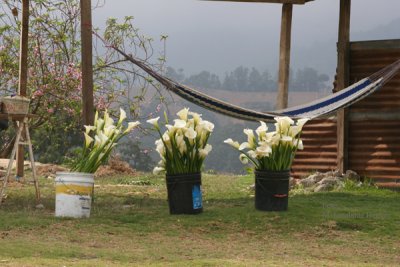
[343, 50]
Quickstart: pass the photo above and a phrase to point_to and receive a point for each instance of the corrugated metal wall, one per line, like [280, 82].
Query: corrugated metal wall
[374, 127]
[320, 150]
[374, 124]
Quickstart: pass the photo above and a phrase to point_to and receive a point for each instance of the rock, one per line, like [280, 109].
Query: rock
[292, 182]
[352, 175]
[335, 173]
[312, 179]
[324, 187]
[329, 180]
[40, 206]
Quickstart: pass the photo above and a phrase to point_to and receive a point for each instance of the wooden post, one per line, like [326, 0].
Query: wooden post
[284, 56]
[87, 63]
[23, 73]
[343, 48]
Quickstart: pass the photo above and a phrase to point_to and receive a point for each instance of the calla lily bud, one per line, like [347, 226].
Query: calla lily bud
[122, 116]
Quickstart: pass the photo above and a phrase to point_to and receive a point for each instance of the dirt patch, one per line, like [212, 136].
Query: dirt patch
[49, 170]
[115, 166]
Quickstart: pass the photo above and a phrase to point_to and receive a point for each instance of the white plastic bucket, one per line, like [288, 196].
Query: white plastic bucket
[74, 191]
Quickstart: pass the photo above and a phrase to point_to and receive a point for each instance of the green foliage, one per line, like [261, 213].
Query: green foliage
[138, 158]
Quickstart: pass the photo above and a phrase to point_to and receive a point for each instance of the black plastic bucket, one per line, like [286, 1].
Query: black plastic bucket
[272, 190]
[184, 193]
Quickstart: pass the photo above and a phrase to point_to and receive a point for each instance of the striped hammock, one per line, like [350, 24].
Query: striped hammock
[321, 107]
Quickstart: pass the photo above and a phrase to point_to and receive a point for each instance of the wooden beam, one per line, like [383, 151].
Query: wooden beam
[294, 2]
[23, 73]
[284, 56]
[87, 62]
[343, 47]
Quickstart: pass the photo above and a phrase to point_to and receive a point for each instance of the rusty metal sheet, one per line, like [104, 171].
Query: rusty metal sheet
[374, 127]
[320, 150]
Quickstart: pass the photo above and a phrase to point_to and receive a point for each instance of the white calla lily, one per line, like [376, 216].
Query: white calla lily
[158, 170]
[196, 117]
[243, 146]
[122, 116]
[190, 133]
[88, 140]
[131, 126]
[89, 128]
[262, 130]
[205, 151]
[183, 114]
[282, 124]
[154, 122]
[208, 126]
[107, 119]
[179, 124]
[301, 122]
[232, 143]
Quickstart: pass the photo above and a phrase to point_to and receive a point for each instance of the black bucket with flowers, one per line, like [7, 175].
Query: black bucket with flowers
[183, 148]
[272, 154]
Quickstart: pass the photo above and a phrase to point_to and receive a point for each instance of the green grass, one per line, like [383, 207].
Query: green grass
[130, 226]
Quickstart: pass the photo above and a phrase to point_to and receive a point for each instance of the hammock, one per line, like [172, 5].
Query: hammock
[321, 107]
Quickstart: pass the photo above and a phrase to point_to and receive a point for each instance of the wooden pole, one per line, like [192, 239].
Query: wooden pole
[343, 48]
[23, 73]
[87, 63]
[284, 56]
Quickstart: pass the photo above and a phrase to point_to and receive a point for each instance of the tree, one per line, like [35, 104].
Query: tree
[54, 76]
[204, 79]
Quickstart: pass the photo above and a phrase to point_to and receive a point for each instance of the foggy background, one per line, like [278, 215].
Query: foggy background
[220, 36]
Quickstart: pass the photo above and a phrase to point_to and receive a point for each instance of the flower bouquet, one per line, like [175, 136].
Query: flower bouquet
[272, 154]
[183, 148]
[74, 190]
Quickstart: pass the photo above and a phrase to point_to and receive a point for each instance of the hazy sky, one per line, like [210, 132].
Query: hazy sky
[219, 36]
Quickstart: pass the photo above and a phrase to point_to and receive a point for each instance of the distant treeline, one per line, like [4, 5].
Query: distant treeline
[246, 79]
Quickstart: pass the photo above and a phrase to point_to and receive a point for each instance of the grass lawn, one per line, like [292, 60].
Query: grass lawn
[130, 226]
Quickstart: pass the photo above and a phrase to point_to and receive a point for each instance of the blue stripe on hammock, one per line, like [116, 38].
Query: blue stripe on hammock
[329, 101]
[246, 113]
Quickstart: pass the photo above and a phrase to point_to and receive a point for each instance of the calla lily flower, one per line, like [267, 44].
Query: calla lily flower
[183, 114]
[179, 124]
[122, 116]
[131, 126]
[230, 142]
[154, 122]
[89, 128]
[190, 133]
[158, 170]
[88, 140]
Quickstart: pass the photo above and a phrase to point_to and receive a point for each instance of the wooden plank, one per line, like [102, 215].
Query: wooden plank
[87, 62]
[343, 81]
[380, 45]
[295, 2]
[284, 56]
[23, 73]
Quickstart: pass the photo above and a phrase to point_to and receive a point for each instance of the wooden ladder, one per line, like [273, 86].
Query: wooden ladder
[23, 129]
